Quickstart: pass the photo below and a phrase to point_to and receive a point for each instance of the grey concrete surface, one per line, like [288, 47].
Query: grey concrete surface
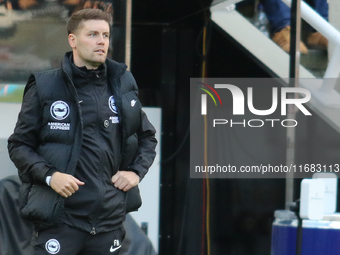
[8, 116]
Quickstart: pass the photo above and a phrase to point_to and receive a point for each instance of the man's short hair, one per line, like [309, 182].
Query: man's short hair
[86, 14]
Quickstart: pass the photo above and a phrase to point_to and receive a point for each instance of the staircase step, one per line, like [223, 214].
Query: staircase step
[315, 61]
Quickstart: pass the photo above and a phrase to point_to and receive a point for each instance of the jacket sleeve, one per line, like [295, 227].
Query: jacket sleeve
[146, 147]
[23, 143]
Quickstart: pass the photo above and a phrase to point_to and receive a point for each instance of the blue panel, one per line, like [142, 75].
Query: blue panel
[316, 241]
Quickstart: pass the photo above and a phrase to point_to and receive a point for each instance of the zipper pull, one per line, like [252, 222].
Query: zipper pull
[93, 231]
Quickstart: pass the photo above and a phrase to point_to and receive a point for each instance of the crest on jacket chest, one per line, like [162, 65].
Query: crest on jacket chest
[60, 110]
[112, 104]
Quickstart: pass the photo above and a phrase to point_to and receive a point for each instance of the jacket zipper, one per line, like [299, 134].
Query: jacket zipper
[93, 231]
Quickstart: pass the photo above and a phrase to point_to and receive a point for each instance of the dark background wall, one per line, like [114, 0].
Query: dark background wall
[167, 43]
[166, 52]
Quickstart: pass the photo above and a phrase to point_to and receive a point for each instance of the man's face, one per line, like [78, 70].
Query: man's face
[90, 43]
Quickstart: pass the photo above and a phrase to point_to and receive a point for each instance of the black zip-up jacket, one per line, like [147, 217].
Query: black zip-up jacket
[49, 135]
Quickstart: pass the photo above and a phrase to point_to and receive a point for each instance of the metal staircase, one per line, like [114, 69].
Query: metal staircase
[325, 98]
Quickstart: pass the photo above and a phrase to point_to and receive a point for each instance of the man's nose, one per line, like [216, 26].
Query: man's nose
[101, 39]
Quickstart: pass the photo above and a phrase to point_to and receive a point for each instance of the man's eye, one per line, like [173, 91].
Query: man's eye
[106, 35]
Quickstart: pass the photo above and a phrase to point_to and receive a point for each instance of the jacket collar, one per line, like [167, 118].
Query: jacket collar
[81, 76]
[114, 69]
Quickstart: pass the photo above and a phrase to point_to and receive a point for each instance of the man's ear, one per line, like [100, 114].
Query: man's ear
[72, 40]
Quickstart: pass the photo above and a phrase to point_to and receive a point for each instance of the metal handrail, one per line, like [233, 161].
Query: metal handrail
[328, 31]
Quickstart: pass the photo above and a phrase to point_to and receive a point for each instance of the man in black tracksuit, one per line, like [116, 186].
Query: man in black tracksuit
[81, 146]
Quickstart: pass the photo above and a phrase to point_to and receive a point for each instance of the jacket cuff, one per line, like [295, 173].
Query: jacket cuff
[48, 175]
[136, 172]
[51, 171]
[42, 170]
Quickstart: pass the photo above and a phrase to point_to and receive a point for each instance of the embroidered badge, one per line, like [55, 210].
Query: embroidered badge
[60, 110]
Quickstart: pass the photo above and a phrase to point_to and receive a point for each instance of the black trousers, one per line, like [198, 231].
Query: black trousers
[66, 240]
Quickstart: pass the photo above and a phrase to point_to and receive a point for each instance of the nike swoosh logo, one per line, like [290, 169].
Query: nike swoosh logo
[114, 249]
